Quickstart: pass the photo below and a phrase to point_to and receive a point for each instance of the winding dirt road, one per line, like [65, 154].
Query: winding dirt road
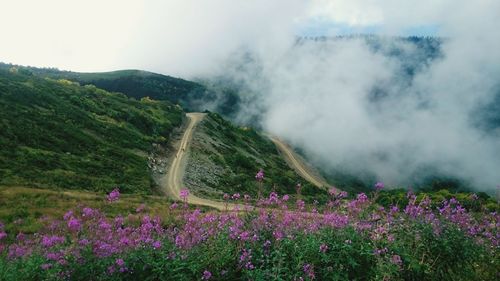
[172, 182]
[298, 165]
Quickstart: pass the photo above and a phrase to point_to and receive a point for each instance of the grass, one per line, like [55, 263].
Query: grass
[21, 208]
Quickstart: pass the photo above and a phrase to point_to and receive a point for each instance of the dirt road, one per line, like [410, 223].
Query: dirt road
[298, 164]
[172, 181]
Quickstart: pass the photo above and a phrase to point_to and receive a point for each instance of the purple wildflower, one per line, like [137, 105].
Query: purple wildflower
[184, 194]
[156, 245]
[333, 191]
[49, 241]
[379, 186]
[111, 269]
[323, 248]
[113, 195]
[342, 194]
[87, 212]
[74, 224]
[396, 260]
[206, 275]
[260, 175]
[120, 262]
[309, 270]
[20, 236]
[46, 266]
[68, 215]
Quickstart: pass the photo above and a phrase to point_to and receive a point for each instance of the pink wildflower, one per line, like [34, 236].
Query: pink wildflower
[156, 245]
[114, 195]
[379, 186]
[323, 248]
[184, 194]
[396, 260]
[74, 224]
[46, 266]
[206, 275]
[260, 175]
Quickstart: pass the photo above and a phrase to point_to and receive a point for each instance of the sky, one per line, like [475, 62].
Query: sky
[315, 96]
[186, 37]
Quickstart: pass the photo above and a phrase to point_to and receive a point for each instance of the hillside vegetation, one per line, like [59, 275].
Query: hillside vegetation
[133, 83]
[25, 209]
[58, 134]
[225, 158]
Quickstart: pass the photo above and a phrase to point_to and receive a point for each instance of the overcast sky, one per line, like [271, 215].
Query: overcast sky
[187, 37]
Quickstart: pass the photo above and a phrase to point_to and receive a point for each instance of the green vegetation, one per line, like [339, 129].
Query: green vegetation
[58, 134]
[226, 158]
[472, 201]
[26, 209]
[133, 83]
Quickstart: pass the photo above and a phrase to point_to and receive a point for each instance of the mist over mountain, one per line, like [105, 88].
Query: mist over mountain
[401, 110]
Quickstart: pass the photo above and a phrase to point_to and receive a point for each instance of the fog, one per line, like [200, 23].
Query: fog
[319, 96]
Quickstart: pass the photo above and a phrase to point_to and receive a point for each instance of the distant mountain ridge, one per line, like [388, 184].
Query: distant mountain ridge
[131, 82]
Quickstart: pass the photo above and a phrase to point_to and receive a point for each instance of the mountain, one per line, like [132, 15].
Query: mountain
[59, 134]
[134, 83]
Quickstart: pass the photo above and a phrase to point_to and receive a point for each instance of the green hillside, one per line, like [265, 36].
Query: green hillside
[58, 134]
[133, 83]
[61, 134]
[225, 158]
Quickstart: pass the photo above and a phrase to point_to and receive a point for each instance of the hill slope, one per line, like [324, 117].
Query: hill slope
[134, 83]
[72, 148]
[61, 134]
[225, 158]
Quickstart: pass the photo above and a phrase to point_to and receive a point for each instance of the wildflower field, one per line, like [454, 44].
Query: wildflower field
[272, 238]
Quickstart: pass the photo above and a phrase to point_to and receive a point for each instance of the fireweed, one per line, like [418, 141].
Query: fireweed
[341, 240]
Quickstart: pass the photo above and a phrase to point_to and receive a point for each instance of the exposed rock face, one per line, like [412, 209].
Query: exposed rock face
[158, 159]
[203, 174]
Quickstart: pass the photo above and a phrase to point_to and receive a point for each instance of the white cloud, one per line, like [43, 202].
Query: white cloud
[316, 96]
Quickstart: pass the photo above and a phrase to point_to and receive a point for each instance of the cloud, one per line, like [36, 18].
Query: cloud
[320, 97]
[192, 37]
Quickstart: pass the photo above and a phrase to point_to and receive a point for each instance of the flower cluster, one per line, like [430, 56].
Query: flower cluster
[260, 175]
[184, 193]
[255, 238]
[114, 195]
